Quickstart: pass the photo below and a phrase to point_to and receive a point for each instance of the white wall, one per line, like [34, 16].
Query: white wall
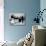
[1, 21]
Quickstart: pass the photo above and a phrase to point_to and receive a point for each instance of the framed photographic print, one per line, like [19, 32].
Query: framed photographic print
[17, 18]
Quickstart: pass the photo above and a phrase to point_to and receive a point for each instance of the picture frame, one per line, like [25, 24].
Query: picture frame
[17, 18]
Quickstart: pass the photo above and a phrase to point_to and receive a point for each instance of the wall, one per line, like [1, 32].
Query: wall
[29, 8]
[43, 6]
[1, 21]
